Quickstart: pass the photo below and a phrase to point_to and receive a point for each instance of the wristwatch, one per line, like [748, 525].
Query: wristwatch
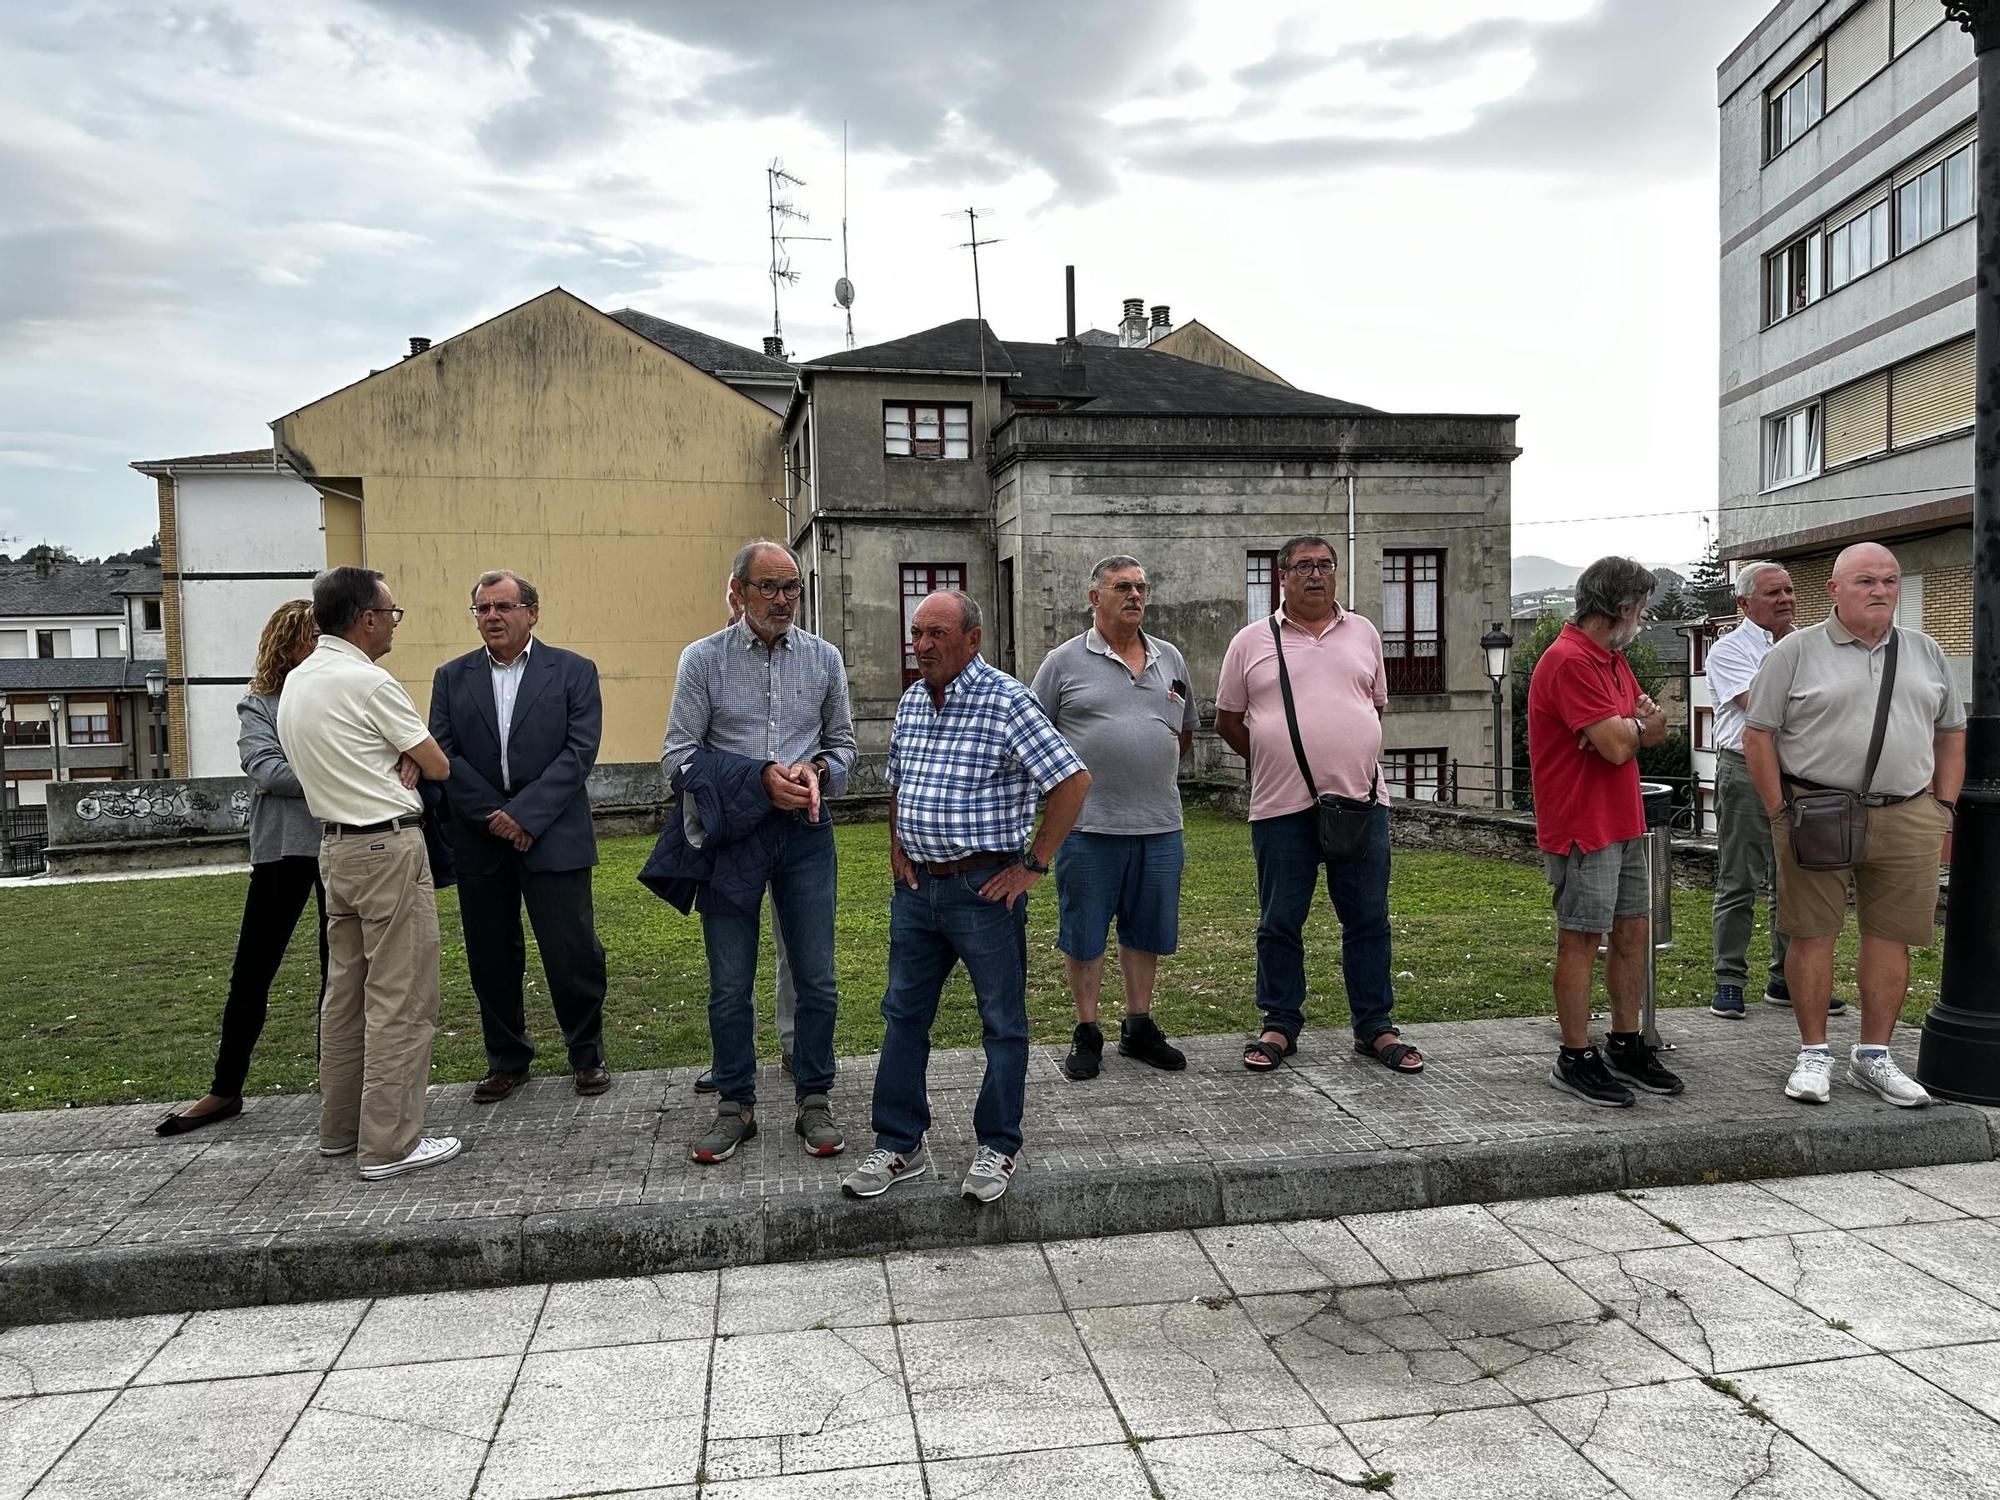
[1947, 806]
[1031, 864]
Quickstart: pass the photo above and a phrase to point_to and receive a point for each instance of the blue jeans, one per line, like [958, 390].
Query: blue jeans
[802, 892]
[1288, 865]
[942, 922]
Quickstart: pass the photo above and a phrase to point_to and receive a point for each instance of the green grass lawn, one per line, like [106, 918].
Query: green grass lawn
[112, 992]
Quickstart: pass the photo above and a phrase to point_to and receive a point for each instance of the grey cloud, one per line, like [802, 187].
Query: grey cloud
[576, 101]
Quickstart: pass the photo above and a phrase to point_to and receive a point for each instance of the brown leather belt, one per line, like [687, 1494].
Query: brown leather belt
[985, 859]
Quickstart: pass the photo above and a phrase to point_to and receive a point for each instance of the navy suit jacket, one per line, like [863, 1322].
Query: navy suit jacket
[551, 746]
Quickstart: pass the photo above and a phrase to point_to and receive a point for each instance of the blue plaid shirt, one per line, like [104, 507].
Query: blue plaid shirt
[967, 776]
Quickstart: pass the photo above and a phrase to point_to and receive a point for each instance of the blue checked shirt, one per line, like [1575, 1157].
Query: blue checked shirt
[967, 776]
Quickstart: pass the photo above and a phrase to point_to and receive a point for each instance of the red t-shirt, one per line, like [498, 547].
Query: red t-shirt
[1580, 797]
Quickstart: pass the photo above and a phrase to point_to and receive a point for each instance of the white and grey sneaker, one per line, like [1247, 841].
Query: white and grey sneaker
[1879, 1074]
[430, 1150]
[1812, 1079]
[882, 1169]
[987, 1178]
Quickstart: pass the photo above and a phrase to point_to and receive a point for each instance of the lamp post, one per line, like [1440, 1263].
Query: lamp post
[6, 713]
[1959, 1056]
[156, 693]
[1496, 643]
[55, 738]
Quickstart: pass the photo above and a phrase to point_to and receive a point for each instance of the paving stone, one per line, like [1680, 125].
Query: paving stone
[1889, 1304]
[1686, 1442]
[1972, 1187]
[1293, 1463]
[445, 1325]
[1185, 1367]
[1916, 1443]
[1367, 1352]
[791, 1403]
[1301, 1257]
[976, 1281]
[415, 1430]
[905, 1482]
[42, 1358]
[1706, 1312]
[777, 1299]
[1860, 1200]
[1129, 1268]
[34, 1431]
[212, 1438]
[1440, 1241]
[1970, 1372]
[1591, 1224]
[1104, 1473]
[627, 1310]
[582, 1420]
[254, 1341]
[1725, 1211]
[1002, 1385]
[1964, 1253]
[1451, 1456]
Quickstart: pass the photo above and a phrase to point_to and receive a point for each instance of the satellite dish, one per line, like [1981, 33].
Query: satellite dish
[843, 292]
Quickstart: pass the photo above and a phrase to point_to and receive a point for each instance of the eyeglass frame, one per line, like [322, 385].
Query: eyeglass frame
[1311, 567]
[774, 588]
[501, 607]
[393, 611]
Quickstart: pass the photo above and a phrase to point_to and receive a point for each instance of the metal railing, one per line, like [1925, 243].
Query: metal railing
[24, 834]
[1469, 784]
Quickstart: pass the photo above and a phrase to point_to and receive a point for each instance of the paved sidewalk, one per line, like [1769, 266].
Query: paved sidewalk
[1818, 1338]
[99, 1216]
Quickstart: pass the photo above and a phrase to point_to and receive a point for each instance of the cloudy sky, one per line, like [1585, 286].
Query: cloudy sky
[216, 213]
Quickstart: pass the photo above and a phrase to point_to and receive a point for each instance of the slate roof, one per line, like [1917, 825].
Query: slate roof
[948, 349]
[242, 458]
[76, 674]
[718, 357]
[72, 588]
[1151, 380]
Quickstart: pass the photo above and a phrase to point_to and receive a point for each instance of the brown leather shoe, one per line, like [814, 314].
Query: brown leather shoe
[497, 1085]
[593, 1080]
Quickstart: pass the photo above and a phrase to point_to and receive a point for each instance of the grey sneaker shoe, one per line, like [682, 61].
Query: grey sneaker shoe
[882, 1169]
[1812, 1077]
[1880, 1075]
[816, 1128]
[988, 1176]
[733, 1126]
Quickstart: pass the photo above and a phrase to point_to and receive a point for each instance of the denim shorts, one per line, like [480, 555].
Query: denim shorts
[1592, 890]
[1134, 878]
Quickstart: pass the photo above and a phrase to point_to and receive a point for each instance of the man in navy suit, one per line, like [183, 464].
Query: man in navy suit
[520, 720]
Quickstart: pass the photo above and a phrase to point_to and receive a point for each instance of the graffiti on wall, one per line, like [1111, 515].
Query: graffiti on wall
[177, 805]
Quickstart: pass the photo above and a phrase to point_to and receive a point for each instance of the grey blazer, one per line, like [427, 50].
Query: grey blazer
[280, 826]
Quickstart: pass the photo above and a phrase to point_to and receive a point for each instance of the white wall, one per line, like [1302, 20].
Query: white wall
[222, 619]
[82, 633]
[247, 523]
[211, 724]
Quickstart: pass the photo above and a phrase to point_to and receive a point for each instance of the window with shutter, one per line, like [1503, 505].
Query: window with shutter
[1857, 420]
[1910, 602]
[1931, 394]
[1915, 19]
[1857, 49]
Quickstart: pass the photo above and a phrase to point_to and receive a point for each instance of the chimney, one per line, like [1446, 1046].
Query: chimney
[1132, 327]
[418, 346]
[45, 561]
[1070, 379]
[1162, 323]
[774, 346]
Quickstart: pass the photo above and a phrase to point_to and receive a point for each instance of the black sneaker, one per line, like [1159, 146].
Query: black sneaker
[1086, 1053]
[1585, 1077]
[1141, 1037]
[1639, 1065]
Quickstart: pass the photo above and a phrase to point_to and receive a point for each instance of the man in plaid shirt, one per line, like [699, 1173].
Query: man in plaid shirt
[970, 754]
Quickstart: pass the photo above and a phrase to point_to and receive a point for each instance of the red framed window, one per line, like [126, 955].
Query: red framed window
[1414, 775]
[1260, 586]
[1413, 620]
[1698, 650]
[910, 430]
[920, 581]
[1704, 729]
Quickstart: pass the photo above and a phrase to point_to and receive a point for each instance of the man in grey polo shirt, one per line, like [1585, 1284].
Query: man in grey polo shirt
[1811, 716]
[1121, 699]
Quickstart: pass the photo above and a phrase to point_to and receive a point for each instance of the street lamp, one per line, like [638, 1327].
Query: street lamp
[1959, 1056]
[156, 691]
[1496, 643]
[6, 712]
[55, 738]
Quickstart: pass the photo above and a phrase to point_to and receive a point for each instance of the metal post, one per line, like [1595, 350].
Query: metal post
[1959, 1056]
[1499, 780]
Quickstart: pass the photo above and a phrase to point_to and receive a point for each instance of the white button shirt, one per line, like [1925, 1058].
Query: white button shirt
[1732, 666]
[506, 688]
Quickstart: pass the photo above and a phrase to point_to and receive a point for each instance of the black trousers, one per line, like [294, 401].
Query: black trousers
[496, 955]
[278, 892]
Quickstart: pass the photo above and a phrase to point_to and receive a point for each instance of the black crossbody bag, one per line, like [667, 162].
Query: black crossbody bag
[1343, 822]
[1829, 826]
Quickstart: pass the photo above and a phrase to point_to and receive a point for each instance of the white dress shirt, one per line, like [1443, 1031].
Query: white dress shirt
[506, 688]
[1732, 666]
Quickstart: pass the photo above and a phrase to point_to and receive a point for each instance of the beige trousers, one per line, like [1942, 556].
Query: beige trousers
[381, 1005]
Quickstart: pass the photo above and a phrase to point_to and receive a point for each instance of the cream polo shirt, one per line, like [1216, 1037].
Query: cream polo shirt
[343, 722]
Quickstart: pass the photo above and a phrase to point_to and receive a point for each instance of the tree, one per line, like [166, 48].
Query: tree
[1665, 761]
[147, 556]
[1671, 604]
[1710, 572]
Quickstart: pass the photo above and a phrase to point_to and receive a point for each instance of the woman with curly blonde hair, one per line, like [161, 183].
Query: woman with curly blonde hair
[284, 867]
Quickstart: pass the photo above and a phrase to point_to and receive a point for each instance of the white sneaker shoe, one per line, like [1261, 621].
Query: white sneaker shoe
[1880, 1075]
[988, 1176]
[429, 1152]
[1812, 1079]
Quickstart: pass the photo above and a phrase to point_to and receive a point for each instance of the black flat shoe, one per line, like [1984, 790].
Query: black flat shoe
[179, 1124]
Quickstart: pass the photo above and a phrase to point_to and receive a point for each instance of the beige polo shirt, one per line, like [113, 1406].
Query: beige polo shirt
[1816, 692]
[343, 722]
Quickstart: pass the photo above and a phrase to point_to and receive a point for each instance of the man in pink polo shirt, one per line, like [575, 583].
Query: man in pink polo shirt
[1334, 660]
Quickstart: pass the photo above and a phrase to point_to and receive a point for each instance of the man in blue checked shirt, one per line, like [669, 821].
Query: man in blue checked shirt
[970, 755]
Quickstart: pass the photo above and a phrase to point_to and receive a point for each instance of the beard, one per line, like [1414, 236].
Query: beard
[1624, 636]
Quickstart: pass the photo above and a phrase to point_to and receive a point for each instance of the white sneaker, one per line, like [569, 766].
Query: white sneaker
[1880, 1075]
[429, 1152]
[1812, 1079]
[882, 1169]
[987, 1178]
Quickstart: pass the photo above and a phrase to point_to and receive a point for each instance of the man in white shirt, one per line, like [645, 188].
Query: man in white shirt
[1743, 842]
[354, 739]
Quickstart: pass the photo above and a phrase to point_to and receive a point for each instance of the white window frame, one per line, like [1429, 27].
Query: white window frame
[944, 426]
[1779, 438]
[1796, 108]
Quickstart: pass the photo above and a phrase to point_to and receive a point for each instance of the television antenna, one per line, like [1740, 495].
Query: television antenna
[782, 212]
[843, 289]
[972, 218]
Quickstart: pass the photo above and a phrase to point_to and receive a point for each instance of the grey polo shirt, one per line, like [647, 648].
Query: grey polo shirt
[1126, 727]
[1816, 692]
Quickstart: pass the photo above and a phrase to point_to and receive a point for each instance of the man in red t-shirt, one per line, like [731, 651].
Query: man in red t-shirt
[1587, 721]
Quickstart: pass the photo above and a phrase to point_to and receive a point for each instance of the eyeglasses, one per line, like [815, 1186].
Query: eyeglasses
[1127, 588]
[394, 612]
[1310, 568]
[500, 607]
[770, 588]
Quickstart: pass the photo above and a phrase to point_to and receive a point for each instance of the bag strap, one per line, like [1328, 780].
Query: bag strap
[1292, 723]
[1881, 711]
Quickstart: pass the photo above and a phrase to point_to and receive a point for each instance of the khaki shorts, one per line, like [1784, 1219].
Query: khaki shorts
[1895, 886]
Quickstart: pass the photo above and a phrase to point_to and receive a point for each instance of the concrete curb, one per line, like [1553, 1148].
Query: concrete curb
[644, 1239]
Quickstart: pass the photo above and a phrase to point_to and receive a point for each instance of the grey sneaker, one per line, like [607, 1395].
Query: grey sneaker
[882, 1169]
[1880, 1075]
[733, 1125]
[1811, 1080]
[816, 1128]
[988, 1176]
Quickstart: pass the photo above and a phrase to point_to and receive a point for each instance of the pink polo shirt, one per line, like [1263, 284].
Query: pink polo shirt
[1339, 687]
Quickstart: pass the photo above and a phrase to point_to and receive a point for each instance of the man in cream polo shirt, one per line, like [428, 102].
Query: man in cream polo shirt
[357, 745]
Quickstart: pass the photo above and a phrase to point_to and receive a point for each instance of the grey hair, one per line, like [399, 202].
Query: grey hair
[1116, 563]
[1609, 587]
[1285, 552]
[1746, 581]
[740, 569]
[968, 607]
[530, 598]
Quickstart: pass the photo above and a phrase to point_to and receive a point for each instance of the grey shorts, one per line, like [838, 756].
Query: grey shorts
[1592, 890]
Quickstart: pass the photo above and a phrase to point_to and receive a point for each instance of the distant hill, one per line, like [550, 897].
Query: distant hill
[1533, 574]
[1557, 591]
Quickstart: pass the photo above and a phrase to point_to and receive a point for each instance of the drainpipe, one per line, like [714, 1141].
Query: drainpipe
[1350, 541]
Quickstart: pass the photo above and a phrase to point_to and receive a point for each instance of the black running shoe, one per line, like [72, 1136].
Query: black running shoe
[1585, 1076]
[1639, 1065]
[1140, 1036]
[1086, 1053]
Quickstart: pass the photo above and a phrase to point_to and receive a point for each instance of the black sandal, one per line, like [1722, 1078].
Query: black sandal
[180, 1124]
[1393, 1055]
[1271, 1052]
